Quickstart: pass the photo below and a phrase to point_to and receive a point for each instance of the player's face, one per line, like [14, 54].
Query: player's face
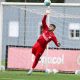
[51, 28]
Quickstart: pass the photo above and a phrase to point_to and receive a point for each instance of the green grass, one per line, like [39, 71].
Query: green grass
[22, 75]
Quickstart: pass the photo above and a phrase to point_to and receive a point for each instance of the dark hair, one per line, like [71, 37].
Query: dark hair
[53, 25]
[41, 29]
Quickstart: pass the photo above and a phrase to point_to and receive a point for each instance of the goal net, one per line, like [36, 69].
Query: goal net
[21, 28]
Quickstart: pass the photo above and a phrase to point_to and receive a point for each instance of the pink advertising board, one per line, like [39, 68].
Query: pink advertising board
[63, 60]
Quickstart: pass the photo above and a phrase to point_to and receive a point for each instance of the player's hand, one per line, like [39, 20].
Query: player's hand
[59, 44]
[48, 10]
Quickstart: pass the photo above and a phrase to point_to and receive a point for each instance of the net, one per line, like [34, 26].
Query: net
[61, 15]
[26, 20]
[1, 65]
[0, 34]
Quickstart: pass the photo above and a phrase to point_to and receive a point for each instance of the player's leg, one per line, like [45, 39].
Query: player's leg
[34, 48]
[37, 57]
[34, 52]
[37, 51]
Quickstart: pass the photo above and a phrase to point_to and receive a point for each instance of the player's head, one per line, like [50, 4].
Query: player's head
[52, 27]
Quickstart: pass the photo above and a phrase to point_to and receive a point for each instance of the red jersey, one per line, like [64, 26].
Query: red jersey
[46, 35]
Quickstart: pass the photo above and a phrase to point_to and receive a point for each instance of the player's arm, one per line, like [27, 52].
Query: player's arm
[56, 41]
[44, 20]
[44, 24]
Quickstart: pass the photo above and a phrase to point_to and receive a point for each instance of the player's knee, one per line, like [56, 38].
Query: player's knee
[38, 55]
[33, 51]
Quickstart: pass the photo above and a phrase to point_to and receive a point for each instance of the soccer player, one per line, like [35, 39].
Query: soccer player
[46, 36]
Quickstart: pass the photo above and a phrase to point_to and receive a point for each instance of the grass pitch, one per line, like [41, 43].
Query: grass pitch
[22, 75]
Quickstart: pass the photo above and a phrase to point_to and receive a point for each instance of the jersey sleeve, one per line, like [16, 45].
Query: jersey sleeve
[44, 24]
[54, 39]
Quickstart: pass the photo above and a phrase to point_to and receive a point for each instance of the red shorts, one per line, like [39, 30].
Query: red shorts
[37, 49]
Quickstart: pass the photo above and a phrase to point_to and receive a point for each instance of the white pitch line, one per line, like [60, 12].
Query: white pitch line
[10, 79]
[5, 78]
